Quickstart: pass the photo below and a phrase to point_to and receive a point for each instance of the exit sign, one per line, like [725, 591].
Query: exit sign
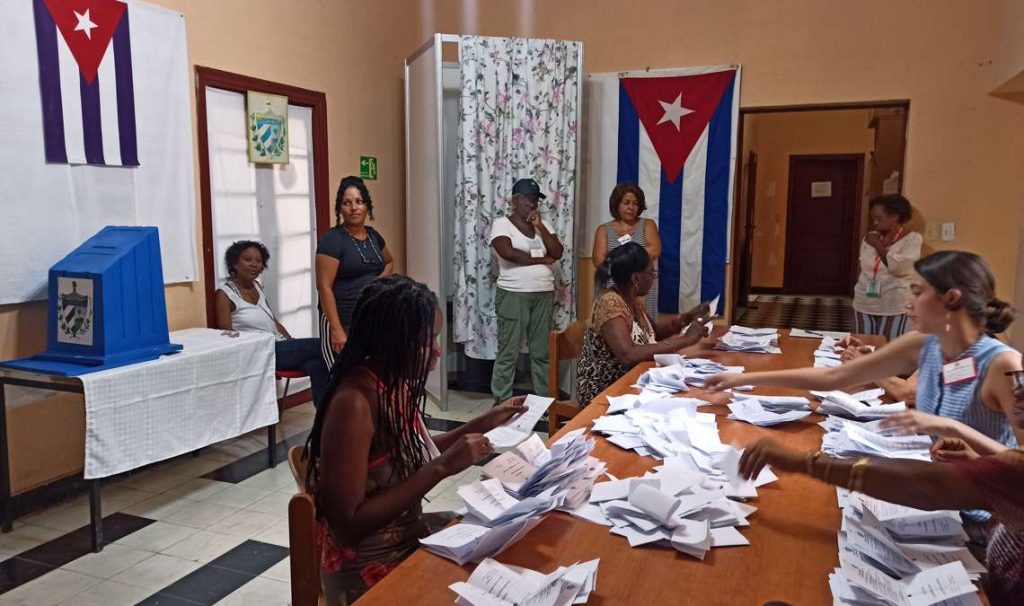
[368, 167]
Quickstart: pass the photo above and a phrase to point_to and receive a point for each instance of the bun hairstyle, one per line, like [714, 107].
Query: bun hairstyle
[968, 273]
[620, 265]
[356, 182]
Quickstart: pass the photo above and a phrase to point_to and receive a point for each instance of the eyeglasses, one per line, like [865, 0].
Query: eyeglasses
[653, 273]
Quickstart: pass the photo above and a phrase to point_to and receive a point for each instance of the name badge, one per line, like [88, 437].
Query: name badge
[873, 291]
[624, 239]
[536, 253]
[959, 371]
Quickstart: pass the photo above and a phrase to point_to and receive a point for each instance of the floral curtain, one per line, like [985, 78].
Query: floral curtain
[519, 116]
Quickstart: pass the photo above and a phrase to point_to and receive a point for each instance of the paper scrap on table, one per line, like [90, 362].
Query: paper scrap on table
[496, 584]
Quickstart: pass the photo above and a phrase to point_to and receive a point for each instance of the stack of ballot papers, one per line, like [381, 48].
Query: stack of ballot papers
[750, 340]
[892, 554]
[530, 468]
[676, 372]
[511, 434]
[776, 403]
[828, 354]
[800, 333]
[750, 410]
[664, 427]
[496, 584]
[862, 405]
[676, 505]
[487, 503]
[465, 542]
[845, 438]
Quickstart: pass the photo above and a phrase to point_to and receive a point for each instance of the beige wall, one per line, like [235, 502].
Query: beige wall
[964, 147]
[353, 51]
[778, 136]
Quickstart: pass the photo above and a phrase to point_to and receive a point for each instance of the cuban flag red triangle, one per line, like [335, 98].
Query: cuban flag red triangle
[87, 27]
[675, 111]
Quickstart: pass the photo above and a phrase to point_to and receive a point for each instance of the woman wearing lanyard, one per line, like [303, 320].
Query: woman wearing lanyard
[887, 257]
[964, 389]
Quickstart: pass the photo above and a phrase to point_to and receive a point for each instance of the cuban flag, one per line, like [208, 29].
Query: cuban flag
[85, 78]
[673, 133]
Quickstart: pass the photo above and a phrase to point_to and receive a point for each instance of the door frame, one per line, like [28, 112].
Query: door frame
[858, 202]
[238, 83]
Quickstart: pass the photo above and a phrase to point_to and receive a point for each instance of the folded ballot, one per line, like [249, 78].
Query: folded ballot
[751, 411]
[846, 438]
[845, 405]
[519, 429]
[495, 584]
[750, 340]
[464, 542]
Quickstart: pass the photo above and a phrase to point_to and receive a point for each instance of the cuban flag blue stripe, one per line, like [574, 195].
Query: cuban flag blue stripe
[92, 122]
[670, 226]
[629, 139]
[716, 198]
[125, 93]
[49, 84]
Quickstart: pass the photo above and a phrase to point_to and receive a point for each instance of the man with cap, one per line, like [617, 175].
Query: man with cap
[527, 250]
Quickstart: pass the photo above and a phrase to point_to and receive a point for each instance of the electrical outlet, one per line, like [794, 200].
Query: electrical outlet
[931, 231]
[948, 232]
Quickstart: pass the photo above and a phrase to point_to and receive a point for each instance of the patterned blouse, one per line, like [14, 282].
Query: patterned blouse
[598, 367]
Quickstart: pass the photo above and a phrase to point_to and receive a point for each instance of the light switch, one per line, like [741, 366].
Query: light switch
[931, 231]
[948, 232]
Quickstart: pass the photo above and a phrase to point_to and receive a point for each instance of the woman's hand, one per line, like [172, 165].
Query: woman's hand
[874, 240]
[702, 310]
[503, 413]
[952, 449]
[465, 451]
[921, 423]
[338, 339]
[767, 451]
[693, 333]
[534, 219]
[723, 381]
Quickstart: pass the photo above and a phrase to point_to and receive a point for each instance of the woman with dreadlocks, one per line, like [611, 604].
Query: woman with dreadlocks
[371, 458]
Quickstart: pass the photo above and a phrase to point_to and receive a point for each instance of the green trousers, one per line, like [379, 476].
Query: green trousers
[521, 315]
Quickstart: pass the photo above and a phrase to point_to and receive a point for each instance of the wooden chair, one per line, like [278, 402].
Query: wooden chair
[565, 345]
[302, 532]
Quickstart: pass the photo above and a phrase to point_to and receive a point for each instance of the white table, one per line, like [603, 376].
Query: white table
[218, 387]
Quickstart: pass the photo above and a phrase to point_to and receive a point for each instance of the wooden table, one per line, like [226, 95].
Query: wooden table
[792, 535]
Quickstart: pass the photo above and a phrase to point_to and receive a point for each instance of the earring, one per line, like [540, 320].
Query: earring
[947, 321]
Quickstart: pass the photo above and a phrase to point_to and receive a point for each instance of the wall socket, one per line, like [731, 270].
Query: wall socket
[948, 232]
[931, 231]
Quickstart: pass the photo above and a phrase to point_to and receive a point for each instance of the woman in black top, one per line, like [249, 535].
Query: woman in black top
[348, 257]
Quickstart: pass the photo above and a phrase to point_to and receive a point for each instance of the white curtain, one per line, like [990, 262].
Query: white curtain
[519, 116]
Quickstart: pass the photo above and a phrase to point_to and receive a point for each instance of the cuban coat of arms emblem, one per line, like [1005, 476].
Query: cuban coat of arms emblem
[74, 310]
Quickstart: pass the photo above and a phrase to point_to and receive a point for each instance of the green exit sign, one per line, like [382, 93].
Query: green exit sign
[368, 167]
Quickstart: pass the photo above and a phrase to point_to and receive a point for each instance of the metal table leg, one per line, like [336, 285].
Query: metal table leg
[5, 465]
[272, 445]
[96, 515]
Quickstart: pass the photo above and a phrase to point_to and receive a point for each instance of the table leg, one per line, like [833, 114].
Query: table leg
[97, 516]
[271, 445]
[5, 465]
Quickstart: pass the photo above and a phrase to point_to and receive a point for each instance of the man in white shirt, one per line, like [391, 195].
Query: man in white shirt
[527, 249]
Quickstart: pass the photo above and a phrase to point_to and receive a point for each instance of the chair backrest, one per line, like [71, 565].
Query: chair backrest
[302, 535]
[565, 345]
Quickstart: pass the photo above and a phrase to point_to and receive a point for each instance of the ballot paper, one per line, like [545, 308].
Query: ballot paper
[750, 340]
[751, 411]
[776, 403]
[487, 503]
[511, 434]
[922, 589]
[669, 359]
[843, 404]
[845, 438]
[464, 542]
[800, 333]
[496, 584]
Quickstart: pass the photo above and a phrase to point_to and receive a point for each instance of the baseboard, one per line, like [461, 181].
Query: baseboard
[765, 290]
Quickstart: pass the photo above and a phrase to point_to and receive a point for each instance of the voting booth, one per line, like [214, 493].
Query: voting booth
[106, 305]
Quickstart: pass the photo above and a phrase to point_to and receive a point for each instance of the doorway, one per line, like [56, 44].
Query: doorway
[769, 137]
[822, 230]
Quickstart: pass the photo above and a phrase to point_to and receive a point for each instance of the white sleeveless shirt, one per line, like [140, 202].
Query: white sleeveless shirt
[248, 317]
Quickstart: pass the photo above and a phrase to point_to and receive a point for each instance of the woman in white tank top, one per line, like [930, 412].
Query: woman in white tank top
[242, 305]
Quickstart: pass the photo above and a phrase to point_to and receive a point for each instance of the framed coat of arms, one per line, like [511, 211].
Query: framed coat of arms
[267, 128]
[74, 310]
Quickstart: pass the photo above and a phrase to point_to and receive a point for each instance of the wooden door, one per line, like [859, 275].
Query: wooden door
[822, 224]
[746, 233]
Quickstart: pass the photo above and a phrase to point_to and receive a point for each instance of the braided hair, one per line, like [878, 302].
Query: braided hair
[392, 328]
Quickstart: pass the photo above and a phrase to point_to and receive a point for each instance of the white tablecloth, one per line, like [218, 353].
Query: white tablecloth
[218, 387]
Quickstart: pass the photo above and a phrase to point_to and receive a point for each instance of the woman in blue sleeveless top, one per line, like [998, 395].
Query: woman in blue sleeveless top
[963, 389]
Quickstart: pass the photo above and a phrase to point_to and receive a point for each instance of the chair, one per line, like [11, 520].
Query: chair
[287, 375]
[565, 345]
[302, 532]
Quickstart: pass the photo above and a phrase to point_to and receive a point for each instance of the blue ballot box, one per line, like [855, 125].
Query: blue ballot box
[106, 305]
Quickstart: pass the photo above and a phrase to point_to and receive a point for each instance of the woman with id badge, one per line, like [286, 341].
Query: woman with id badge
[964, 390]
[527, 250]
[626, 204]
[887, 256]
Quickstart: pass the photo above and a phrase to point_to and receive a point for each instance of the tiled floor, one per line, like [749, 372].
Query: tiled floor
[807, 312]
[202, 530]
